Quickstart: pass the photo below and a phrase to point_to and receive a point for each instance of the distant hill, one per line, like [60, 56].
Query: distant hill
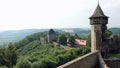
[115, 30]
[32, 54]
[16, 35]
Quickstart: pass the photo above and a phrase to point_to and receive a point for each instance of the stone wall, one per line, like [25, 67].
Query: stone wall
[42, 40]
[89, 60]
[113, 62]
[102, 62]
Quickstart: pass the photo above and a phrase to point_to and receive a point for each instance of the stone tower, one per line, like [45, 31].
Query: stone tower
[52, 37]
[98, 23]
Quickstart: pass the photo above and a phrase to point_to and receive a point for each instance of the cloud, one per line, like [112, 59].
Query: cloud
[111, 3]
[22, 14]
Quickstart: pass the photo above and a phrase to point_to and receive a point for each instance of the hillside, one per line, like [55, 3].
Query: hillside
[14, 36]
[32, 54]
[115, 30]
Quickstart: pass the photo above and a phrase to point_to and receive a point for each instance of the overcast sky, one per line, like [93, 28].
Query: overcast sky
[28, 14]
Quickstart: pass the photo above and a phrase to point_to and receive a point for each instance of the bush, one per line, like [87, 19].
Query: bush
[47, 63]
[46, 56]
[24, 63]
[3, 67]
[8, 56]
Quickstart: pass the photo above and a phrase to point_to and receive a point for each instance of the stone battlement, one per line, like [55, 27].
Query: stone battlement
[90, 60]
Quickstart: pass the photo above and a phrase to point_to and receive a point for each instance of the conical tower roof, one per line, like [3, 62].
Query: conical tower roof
[98, 12]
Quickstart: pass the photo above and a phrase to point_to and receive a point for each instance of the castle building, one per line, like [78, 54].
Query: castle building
[98, 23]
[52, 37]
[43, 40]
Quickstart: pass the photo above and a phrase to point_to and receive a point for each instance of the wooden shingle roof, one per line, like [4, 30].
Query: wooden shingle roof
[98, 12]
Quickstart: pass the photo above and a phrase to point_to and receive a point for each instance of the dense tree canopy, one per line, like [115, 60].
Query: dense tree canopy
[62, 39]
[71, 40]
[32, 54]
[46, 56]
[29, 39]
[89, 40]
[108, 33]
[8, 56]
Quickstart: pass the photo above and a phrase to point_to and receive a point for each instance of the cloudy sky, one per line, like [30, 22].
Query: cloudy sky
[28, 14]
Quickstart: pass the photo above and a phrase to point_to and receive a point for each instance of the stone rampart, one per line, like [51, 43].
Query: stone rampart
[113, 62]
[102, 62]
[89, 60]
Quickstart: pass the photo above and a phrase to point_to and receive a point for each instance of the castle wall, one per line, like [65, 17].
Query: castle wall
[113, 63]
[42, 40]
[89, 60]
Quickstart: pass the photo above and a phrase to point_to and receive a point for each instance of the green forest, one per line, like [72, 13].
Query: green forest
[17, 35]
[30, 53]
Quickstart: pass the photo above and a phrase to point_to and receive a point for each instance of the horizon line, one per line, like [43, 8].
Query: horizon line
[49, 28]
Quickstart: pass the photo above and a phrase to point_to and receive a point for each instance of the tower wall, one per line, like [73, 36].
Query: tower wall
[98, 23]
[96, 39]
[51, 38]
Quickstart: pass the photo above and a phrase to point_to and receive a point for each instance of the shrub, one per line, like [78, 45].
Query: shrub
[47, 63]
[24, 63]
